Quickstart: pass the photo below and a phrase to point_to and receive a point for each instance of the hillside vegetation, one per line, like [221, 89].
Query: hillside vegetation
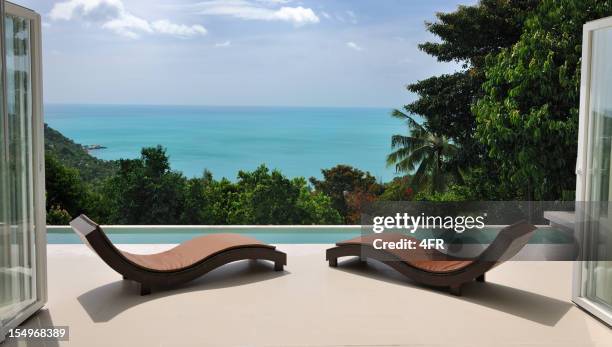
[73, 155]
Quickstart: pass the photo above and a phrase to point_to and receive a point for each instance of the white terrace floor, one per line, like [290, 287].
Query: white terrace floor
[310, 304]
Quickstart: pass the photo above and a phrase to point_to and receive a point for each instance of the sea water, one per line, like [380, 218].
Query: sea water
[299, 141]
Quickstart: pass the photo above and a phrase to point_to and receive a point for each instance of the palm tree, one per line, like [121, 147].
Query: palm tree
[429, 153]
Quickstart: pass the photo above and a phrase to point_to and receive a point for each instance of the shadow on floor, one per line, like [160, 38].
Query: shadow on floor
[524, 304]
[41, 319]
[528, 305]
[106, 302]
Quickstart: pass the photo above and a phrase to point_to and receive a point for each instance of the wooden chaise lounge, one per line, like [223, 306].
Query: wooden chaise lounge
[180, 264]
[431, 267]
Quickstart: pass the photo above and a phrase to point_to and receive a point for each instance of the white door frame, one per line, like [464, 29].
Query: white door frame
[38, 152]
[583, 179]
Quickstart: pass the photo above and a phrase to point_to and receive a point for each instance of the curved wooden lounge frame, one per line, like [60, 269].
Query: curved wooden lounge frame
[507, 244]
[149, 278]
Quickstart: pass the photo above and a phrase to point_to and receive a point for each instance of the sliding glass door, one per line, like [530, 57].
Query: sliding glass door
[593, 279]
[22, 222]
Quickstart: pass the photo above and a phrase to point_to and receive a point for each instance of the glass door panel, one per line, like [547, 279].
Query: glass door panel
[5, 230]
[18, 261]
[597, 277]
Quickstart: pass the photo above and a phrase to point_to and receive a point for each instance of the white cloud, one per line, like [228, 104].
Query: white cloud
[223, 44]
[353, 45]
[128, 25]
[325, 14]
[298, 15]
[90, 10]
[166, 27]
[258, 10]
[112, 15]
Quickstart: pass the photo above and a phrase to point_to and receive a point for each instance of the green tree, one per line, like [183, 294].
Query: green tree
[270, 198]
[316, 207]
[267, 198]
[428, 153]
[399, 189]
[528, 117]
[197, 206]
[223, 197]
[146, 190]
[58, 216]
[66, 194]
[341, 180]
[466, 36]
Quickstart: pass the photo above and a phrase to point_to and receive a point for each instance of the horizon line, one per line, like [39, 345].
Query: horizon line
[211, 105]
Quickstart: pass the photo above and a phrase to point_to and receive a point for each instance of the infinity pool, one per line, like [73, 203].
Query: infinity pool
[282, 235]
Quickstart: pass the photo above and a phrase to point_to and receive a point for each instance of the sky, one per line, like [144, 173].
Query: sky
[345, 53]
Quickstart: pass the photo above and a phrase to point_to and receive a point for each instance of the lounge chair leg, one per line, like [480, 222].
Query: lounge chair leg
[455, 289]
[333, 262]
[480, 278]
[278, 266]
[144, 290]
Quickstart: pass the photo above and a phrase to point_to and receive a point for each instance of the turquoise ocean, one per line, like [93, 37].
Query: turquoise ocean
[299, 141]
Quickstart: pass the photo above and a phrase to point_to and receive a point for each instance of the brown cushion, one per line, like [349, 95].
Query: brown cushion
[418, 258]
[193, 251]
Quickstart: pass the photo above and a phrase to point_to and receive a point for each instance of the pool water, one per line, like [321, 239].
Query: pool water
[288, 235]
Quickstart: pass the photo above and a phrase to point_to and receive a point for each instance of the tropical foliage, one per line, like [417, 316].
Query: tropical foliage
[73, 155]
[343, 181]
[528, 116]
[511, 110]
[425, 153]
[147, 191]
